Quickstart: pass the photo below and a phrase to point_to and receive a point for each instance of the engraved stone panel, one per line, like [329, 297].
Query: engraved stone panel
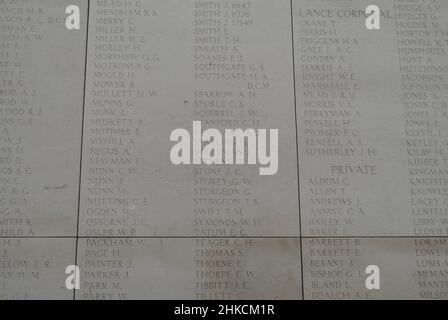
[410, 268]
[372, 108]
[369, 109]
[35, 268]
[199, 269]
[41, 89]
[156, 66]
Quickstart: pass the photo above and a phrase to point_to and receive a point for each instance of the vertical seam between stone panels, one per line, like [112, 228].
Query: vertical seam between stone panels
[82, 140]
[297, 146]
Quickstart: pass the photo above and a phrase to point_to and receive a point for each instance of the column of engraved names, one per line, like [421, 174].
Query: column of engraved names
[17, 111]
[336, 156]
[37, 187]
[115, 119]
[106, 268]
[335, 268]
[40, 134]
[35, 268]
[330, 269]
[113, 201]
[423, 61]
[233, 87]
[408, 97]
[223, 201]
[431, 267]
[422, 44]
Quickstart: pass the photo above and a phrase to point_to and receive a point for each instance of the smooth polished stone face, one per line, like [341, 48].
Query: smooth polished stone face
[371, 118]
[198, 269]
[33, 269]
[42, 80]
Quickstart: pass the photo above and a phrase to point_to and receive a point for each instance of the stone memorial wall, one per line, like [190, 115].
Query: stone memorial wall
[358, 177]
